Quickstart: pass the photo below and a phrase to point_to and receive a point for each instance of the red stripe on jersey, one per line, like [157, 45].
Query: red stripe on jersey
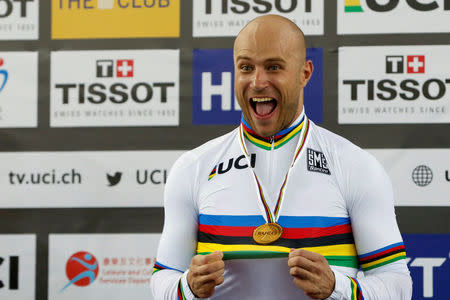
[381, 253]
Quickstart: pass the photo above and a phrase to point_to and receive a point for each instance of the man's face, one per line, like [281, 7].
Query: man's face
[270, 74]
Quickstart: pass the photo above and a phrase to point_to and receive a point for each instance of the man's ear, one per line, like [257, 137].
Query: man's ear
[306, 72]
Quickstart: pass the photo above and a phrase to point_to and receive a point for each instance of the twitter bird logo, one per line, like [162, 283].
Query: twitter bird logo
[114, 180]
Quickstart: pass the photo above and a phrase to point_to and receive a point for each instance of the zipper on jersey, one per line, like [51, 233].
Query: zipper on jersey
[270, 168]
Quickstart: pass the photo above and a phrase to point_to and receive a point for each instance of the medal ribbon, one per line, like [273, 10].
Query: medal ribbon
[272, 218]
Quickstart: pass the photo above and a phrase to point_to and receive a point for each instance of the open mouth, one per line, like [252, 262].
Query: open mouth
[263, 106]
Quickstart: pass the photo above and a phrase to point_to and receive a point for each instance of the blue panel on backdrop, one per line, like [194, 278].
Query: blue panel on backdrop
[429, 265]
[213, 90]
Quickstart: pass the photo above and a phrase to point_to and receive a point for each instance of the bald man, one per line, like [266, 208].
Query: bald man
[264, 211]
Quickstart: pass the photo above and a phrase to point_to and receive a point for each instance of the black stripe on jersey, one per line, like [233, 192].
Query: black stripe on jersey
[267, 140]
[330, 240]
[363, 261]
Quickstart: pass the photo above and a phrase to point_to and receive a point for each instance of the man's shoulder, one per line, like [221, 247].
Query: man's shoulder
[340, 148]
[331, 139]
[212, 146]
[207, 150]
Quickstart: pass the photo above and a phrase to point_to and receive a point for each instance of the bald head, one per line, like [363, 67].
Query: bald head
[273, 30]
[270, 73]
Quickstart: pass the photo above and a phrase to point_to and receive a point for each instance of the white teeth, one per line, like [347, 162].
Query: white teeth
[262, 99]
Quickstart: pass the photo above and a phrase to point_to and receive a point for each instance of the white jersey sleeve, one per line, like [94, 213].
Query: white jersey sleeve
[369, 197]
[179, 238]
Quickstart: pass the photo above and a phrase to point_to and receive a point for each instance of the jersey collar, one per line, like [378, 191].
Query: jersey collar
[279, 139]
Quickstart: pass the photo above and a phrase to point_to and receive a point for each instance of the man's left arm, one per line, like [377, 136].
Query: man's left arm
[380, 248]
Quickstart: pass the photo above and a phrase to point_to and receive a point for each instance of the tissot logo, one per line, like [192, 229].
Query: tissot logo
[258, 6]
[19, 19]
[395, 64]
[123, 68]
[401, 82]
[138, 87]
[214, 101]
[227, 17]
[114, 179]
[117, 93]
[11, 263]
[407, 89]
[7, 7]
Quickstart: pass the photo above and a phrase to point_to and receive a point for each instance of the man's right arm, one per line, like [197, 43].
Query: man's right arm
[179, 237]
[178, 272]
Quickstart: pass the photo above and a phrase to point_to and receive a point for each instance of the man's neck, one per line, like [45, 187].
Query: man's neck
[277, 140]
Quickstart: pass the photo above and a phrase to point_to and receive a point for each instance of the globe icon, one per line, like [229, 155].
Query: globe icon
[422, 175]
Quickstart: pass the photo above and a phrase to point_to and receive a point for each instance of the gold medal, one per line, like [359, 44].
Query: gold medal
[267, 233]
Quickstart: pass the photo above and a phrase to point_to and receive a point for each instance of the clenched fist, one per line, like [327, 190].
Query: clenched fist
[311, 273]
[205, 273]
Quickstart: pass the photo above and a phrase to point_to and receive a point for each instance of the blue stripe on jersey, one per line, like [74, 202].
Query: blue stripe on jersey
[166, 267]
[282, 132]
[305, 222]
[381, 250]
[225, 220]
[284, 221]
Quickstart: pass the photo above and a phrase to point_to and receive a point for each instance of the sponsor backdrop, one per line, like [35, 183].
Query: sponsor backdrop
[101, 266]
[98, 98]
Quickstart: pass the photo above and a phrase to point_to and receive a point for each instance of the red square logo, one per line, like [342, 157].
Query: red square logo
[415, 64]
[125, 68]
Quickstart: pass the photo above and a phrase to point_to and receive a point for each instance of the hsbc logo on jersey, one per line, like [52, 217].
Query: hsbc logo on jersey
[398, 85]
[227, 17]
[393, 16]
[414, 64]
[115, 88]
[115, 68]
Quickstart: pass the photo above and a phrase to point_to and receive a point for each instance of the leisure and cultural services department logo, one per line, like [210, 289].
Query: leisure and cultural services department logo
[422, 175]
[3, 76]
[81, 269]
[101, 266]
[18, 88]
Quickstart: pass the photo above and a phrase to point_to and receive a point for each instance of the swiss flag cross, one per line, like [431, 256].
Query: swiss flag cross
[125, 67]
[415, 63]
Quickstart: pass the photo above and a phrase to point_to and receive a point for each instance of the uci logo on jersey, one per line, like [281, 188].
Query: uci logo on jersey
[238, 163]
